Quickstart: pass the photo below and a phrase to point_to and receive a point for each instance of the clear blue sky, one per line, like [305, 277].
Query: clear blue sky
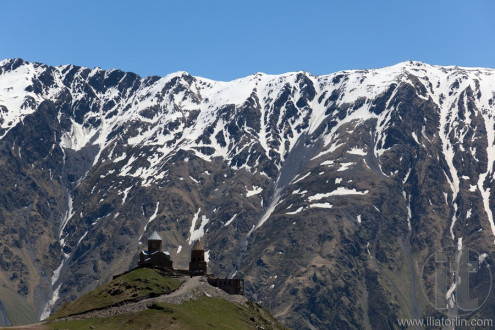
[225, 40]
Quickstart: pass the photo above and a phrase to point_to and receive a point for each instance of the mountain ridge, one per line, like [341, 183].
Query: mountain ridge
[183, 72]
[369, 157]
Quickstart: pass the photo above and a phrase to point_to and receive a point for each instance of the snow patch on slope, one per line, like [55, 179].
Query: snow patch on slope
[230, 221]
[255, 191]
[196, 234]
[340, 191]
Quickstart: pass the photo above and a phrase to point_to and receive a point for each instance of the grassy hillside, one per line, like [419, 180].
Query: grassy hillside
[201, 313]
[139, 283]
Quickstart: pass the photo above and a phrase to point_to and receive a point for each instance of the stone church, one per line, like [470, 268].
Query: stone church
[154, 256]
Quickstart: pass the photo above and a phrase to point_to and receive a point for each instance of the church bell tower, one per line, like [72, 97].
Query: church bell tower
[197, 266]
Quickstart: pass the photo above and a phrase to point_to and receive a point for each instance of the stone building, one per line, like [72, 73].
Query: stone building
[154, 256]
[197, 266]
[229, 285]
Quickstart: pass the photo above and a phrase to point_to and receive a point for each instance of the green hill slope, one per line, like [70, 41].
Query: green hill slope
[142, 299]
[200, 313]
[135, 285]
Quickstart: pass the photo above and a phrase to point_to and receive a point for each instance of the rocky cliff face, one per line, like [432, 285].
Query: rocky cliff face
[328, 194]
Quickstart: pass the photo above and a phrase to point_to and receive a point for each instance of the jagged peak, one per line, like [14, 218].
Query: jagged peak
[14, 63]
[177, 74]
[397, 68]
[411, 64]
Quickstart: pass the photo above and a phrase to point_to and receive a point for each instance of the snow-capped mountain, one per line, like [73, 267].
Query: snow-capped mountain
[327, 193]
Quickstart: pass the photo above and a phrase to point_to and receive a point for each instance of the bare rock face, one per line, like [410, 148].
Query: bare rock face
[328, 194]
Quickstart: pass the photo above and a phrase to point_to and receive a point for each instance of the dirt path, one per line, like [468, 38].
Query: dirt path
[188, 284]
